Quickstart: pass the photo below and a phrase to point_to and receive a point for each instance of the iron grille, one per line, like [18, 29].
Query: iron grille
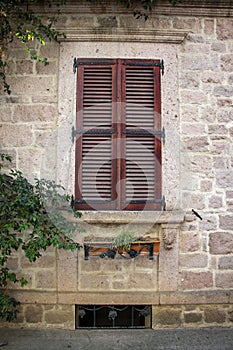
[113, 316]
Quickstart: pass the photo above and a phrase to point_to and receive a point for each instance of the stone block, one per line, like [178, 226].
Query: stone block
[217, 130]
[192, 261]
[189, 242]
[223, 91]
[33, 314]
[29, 162]
[168, 316]
[224, 28]
[209, 26]
[28, 85]
[190, 113]
[206, 185]
[230, 315]
[211, 77]
[50, 50]
[13, 263]
[190, 129]
[209, 224]
[220, 147]
[227, 62]
[190, 24]
[45, 261]
[67, 271]
[230, 79]
[197, 144]
[224, 280]
[215, 202]
[193, 97]
[31, 113]
[90, 265]
[221, 243]
[94, 282]
[15, 135]
[48, 69]
[81, 21]
[192, 317]
[226, 223]
[201, 163]
[213, 315]
[20, 316]
[224, 115]
[193, 200]
[31, 296]
[20, 54]
[5, 113]
[46, 279]
[218, 46]
[24, 67]
[59, 315]
[143, 281]
[225, 263]
[195, 38]
[190, 280]
[107, 21]
[195, 297]
[220, 162]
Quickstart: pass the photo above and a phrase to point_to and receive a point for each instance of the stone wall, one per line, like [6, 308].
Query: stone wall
[191, 283]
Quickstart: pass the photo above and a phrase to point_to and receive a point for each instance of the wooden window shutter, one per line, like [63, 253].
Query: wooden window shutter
[142, 123]
[118, 143]
[95, 165]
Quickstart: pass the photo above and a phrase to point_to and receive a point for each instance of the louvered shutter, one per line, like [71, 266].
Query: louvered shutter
[142, 119]
[118, 143]
[95, 188]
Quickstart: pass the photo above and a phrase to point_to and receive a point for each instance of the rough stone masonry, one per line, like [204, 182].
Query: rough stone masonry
[191, 283]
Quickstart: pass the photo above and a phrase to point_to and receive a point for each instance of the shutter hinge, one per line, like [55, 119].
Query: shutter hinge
[163, 135]
[91, 132]
[73, 134]
[90, 63]
[75, 64]
[163, 203]
[140, 132]
[147, 64]
[162, 66]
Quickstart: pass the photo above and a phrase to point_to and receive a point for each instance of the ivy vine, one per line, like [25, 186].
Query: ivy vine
[19, 22]
[33, 218]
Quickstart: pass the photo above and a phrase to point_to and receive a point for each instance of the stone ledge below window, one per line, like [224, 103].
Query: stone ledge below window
[137, 217]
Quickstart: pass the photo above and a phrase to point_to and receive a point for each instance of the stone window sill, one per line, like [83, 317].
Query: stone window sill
[125, 217]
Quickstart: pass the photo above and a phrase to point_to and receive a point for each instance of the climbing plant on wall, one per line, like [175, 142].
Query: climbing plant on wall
[19, 21]
[32, 218]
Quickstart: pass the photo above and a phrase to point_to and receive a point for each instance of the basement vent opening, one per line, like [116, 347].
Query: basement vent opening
[113, 316]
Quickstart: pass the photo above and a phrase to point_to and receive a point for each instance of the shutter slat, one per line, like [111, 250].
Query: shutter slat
[97, 96]
[140, 168]
[96, 167]
[140, 97]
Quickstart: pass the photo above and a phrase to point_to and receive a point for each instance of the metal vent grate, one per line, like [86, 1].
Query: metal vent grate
[113, 316]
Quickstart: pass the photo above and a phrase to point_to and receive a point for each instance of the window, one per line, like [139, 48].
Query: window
[118, 135]
[113, 316]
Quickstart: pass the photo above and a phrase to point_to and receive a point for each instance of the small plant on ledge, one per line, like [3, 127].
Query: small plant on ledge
[124, 240]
